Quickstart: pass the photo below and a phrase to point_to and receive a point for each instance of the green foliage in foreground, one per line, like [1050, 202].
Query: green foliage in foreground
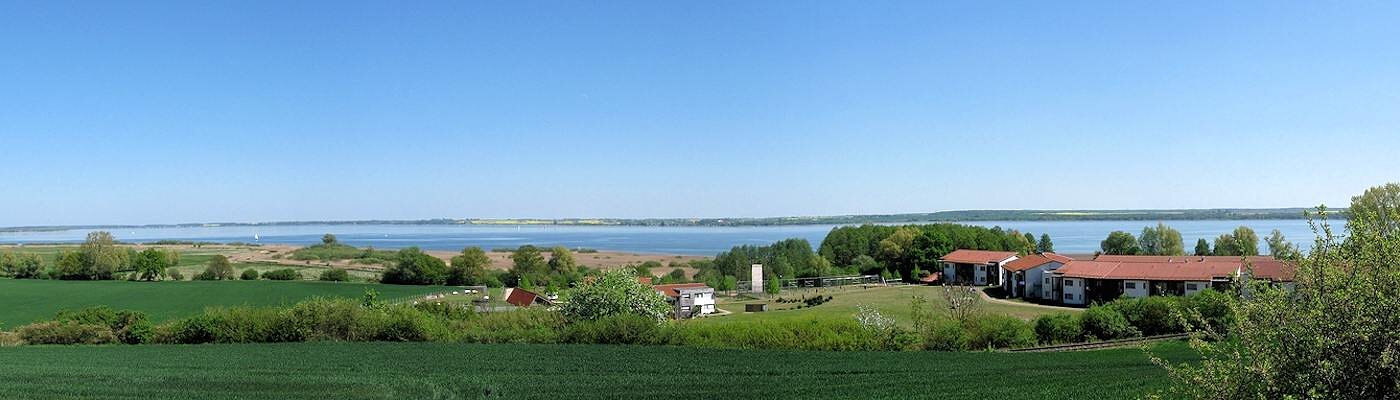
[33, 300]
[434, 370]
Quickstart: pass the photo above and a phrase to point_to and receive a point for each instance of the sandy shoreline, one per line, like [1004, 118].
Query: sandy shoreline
[274, 253]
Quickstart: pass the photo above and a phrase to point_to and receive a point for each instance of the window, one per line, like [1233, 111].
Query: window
[1130, 285]
[1069, 296]
[685, 296]
[1190, 286]
[1069, 283]
[685, 308]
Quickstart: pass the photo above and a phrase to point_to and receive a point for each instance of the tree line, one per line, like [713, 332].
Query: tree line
[1163, 240]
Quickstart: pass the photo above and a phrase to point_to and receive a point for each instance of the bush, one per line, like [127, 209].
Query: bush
[844, 334]
[615, 293]
[531, 325]
[174, 274]
[249, 275]
[66, 332]
[1156, 315]
[131, 327]
[335, 275]
[1106, 323]
[1213, 308]
[616, 329]
[316, 319]
[1058, 328]
[285, 274]
[414, 267]
[944, 334]
[994, 331]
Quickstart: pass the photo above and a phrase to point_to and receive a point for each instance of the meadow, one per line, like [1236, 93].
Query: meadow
[28, 300]
[324, 370]
[893, 302]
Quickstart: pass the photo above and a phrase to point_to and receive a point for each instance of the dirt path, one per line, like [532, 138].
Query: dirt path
[991, 299]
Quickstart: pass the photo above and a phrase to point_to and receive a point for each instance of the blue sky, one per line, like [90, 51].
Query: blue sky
[149, 112]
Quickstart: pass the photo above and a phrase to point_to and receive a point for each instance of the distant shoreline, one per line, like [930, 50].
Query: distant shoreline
[1221, 214]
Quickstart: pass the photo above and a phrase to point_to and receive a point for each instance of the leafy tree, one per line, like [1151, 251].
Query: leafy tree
[1161, 240]
[614, 294]
[644, 269]
[151, 264]
[22, 266]
[528, 262]
[1120, 243]
[69, 265]
[893, 249]
[1241, 242]
[1280, 247]
[771, 285]
[220, 268]
[329, 239]
[676, 276]
[1030, 239]
[1333, 336]
[561, 261]
[285, 274]
[728, 283]
[1202, 247]
[468, 268]
[867, 265]
[101, 258]
[249, 275]
[414, 267]
[1045, 245]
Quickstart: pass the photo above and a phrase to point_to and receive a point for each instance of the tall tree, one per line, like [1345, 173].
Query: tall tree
[1280, 247]
[329, 239]
[151, 264]
[561, 260]
[101, 256]
[468, 268]
[528, 262]
[1248, 241]
[1161, 240]
[1045, 245]
[1120, 243]
[1202, 247]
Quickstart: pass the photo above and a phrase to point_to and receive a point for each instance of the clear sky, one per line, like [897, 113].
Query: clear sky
[135, 112]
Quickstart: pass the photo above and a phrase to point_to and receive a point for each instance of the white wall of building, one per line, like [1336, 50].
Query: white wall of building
[949, 272]
[1133, 288]
[1036, 284]
[1074, 291]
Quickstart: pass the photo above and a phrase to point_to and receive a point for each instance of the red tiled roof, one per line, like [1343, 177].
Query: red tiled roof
[521, 298]
[931, 278]
[1150, 271]
[671, 290]
[1035, 260]
[965, 256]
[1265, 267]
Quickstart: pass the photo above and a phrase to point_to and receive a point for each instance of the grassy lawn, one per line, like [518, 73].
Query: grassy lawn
[330, 370]
[27, 300]
[893, 302]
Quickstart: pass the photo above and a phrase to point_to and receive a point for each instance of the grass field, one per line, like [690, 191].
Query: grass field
[893, 302]
[26, 300]
[329, 370]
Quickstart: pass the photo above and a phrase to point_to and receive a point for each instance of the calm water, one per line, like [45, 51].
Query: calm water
[1068, 236]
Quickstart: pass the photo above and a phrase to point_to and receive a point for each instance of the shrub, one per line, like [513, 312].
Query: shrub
[994, 331]
[1213, 308]
[249, 275]
[454, 312]
[415, 268]
[945, 334]
[615, 293]
[335, 275]
[1058, 328]
[66, 332]
[531, 325]
[131, 327]
[285, 274]
[1156, 315]
[1106, 323]
[843, 334]
[174, 274]
[616, 329]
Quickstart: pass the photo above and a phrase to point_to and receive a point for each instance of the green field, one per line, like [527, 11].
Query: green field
[893, 302]
[331, 370]
[26, 300]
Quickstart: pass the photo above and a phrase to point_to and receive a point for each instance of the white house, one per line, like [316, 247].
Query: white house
[1026, 276]
[976, 267]
[689, 299]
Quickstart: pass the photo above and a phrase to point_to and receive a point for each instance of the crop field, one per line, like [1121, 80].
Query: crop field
[893, 302]
[28, 300]
[332, 370]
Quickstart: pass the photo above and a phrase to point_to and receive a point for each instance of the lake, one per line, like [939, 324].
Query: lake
[1068, 236]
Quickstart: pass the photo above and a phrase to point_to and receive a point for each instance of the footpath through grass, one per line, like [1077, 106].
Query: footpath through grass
[23, 301]
[330, 370]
